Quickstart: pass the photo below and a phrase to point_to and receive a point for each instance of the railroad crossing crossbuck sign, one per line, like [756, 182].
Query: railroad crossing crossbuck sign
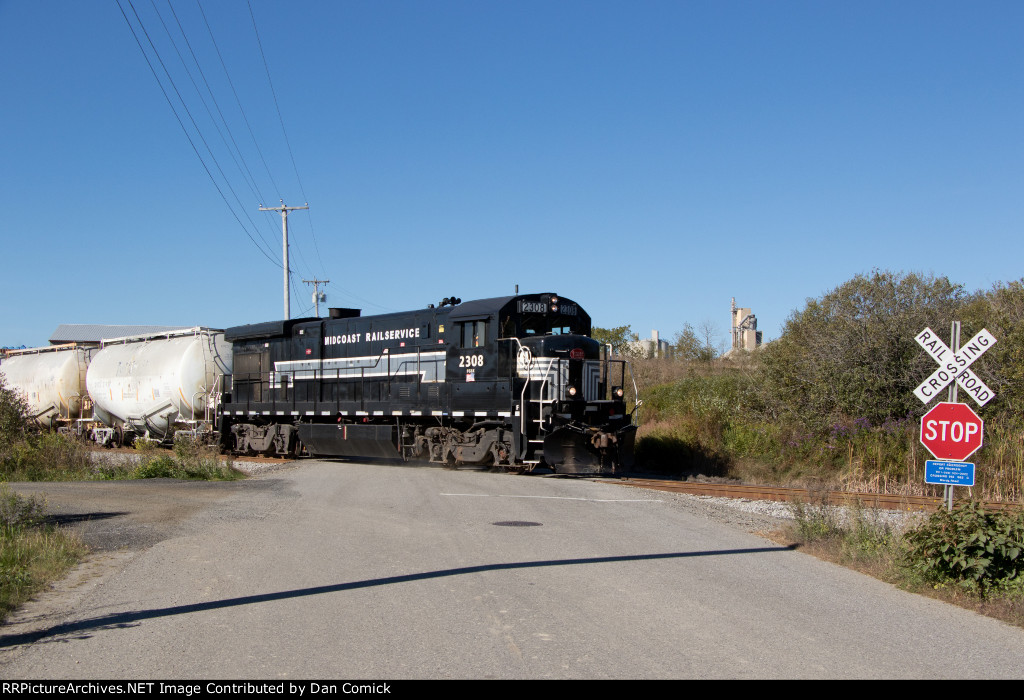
[954, 367]
[952, 431]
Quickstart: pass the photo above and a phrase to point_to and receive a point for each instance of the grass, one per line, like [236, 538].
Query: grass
[54, 457]
[33, 553]
[862, 539]
[870, 459]
[709, 420]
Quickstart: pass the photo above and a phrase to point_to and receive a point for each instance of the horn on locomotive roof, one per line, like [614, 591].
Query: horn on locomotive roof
[450, 301]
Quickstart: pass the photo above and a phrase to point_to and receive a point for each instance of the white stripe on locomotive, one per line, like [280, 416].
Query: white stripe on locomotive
[429, 366]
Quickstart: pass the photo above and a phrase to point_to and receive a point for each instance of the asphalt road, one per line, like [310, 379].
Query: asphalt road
[354, 571]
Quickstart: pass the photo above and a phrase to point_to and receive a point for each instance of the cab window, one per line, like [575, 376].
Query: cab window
[474, 334]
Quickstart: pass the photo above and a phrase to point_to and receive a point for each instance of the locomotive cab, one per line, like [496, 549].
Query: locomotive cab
[570, 417]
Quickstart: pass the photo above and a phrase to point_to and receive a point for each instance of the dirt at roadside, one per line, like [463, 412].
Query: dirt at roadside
[129, 515]
[117, 520]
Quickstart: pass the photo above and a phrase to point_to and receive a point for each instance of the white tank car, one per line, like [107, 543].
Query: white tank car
[146, 384]
[51, 379]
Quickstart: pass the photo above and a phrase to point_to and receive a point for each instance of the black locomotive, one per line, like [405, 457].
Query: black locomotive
[514, 382]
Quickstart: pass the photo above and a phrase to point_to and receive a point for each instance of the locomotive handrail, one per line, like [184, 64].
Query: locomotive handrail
[404, 361]
[624, 363]
[529, 376]
[513, 371]
[636, 393]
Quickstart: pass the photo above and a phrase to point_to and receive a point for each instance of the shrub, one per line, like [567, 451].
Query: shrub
[45, 457]
[17, 511]
[969, 546]
[13, 414]
[156, 468]
[852, 351]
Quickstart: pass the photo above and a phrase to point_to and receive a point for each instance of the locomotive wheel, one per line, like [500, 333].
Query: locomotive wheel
[449, 460]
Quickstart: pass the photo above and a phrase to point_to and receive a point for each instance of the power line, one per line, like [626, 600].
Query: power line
[247, 173]
[238, 101]
[208, 112]
[284, 131]
[174, 110]
[240, 163]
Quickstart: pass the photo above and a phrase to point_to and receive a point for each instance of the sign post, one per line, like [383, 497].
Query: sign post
[953, 431]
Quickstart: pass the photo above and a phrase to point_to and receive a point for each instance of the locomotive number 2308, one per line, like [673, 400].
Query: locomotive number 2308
[471, 360]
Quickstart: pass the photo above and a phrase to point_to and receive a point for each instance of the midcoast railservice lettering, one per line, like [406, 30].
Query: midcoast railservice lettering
[395, 334]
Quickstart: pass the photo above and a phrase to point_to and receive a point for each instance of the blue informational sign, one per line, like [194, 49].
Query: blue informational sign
[949, 473]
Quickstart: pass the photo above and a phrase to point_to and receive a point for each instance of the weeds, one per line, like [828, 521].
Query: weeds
[967, 557]
[20, 512]
[701, 424]
[190, 459]
[55, 457]
[32, 553]
[856, 534]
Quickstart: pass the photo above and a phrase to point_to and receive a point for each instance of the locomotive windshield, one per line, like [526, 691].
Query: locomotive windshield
[530, 324]
[532, 319]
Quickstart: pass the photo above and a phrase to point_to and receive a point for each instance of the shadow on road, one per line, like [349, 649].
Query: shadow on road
[126, 619]
[71, 519]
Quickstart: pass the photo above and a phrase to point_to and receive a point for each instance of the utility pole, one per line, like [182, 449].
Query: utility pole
[316, 292]
[284, 234]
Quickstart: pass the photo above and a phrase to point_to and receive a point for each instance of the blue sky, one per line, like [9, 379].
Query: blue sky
[649, 160]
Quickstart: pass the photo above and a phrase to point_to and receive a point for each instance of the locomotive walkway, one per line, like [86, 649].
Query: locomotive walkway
[334, 570]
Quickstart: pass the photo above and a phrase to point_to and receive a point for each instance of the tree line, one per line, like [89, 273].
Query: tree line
[835, 392]
[696, 344]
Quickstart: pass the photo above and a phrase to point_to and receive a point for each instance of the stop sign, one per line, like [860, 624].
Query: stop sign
[951, 431]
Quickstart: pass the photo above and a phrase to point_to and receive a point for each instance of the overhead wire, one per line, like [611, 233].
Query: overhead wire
[238, 100]
[287, 141]
[174, 110]
[247, 175]
[244, 168]
[188, 72]
[240, 162]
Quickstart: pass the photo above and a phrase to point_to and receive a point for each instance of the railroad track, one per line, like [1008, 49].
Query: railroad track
[810, 496]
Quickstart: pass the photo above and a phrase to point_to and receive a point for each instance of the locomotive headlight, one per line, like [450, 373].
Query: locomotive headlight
[617, 392]
[571, 391]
